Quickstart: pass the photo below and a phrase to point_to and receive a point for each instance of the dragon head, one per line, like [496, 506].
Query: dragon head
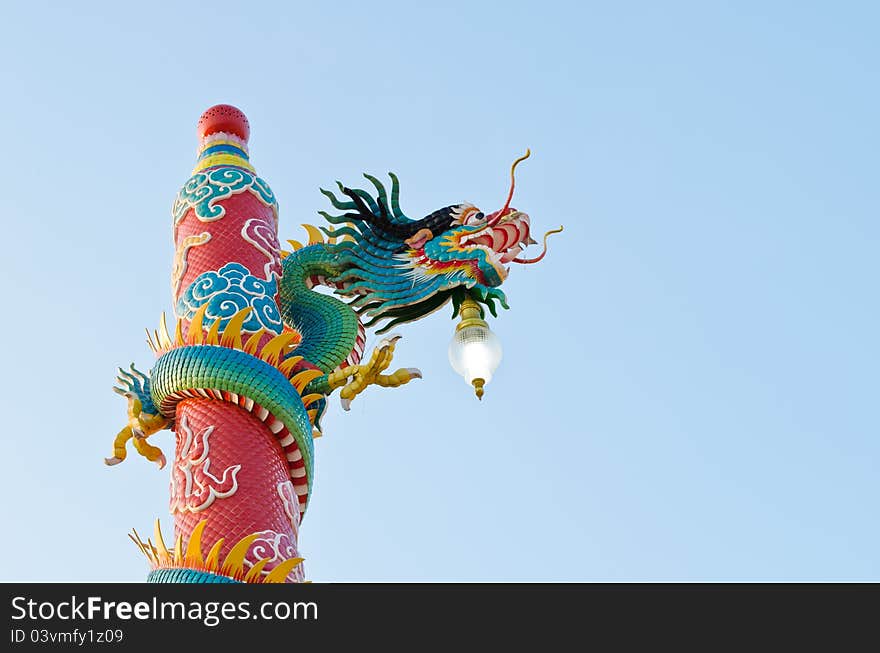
[481, 249]
[401, 269]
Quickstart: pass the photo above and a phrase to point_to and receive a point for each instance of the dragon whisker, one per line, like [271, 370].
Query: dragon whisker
[528, 261]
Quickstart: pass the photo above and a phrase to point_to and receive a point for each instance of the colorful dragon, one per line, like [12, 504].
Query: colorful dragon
[256, 349]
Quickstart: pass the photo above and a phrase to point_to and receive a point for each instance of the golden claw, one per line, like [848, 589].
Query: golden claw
[148, 451]
[140, 426]
[362, 376]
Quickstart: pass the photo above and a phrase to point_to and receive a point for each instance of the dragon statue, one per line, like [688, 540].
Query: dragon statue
[243, 375]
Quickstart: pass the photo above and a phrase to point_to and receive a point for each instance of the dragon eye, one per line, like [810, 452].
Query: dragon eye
[474, 218]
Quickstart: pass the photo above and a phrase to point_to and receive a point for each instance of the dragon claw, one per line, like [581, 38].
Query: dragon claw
[389, 340]
[143, 418]
[355, 379]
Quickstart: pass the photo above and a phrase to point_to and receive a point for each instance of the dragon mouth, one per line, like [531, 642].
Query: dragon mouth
[502, 242]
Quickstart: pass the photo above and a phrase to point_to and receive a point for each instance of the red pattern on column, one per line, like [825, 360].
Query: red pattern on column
[235, 438]
[245, 214]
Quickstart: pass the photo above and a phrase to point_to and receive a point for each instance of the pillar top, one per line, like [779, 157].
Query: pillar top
[223, 132]
[224, 118]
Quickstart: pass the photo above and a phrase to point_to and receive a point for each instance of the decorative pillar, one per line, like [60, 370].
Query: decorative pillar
[241, 473]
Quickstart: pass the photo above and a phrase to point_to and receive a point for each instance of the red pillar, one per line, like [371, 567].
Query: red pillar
[228, 467]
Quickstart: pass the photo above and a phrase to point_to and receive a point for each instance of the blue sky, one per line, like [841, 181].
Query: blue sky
[689, 388]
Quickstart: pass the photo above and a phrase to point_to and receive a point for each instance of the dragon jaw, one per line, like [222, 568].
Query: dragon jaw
[480, 250]
[501, 243]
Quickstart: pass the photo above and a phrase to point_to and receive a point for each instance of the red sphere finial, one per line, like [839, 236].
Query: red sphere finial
[224, 118]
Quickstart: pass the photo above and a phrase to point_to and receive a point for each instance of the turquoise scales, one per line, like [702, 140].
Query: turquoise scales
[184, 575]
[328, 326]
[227, 374]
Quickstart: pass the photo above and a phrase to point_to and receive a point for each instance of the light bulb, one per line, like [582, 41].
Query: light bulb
[475, 353]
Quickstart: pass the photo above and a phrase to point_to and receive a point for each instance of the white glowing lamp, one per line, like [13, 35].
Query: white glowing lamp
[474, 352]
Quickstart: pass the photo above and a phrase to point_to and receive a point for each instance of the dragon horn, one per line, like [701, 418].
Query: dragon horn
[501, 213]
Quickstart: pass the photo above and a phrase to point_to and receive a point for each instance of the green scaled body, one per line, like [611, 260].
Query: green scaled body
[181, 371]
[328, 326]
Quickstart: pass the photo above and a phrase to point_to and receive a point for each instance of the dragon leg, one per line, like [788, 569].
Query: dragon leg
[148, 451]
[355, 379]
[119, 451]
[400, 377]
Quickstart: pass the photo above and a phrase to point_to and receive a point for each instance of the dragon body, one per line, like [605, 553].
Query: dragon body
[263, 337]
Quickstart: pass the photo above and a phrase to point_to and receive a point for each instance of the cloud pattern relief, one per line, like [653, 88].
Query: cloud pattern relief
[227, 291]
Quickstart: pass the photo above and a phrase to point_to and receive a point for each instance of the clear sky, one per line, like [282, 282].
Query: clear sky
[689, 389]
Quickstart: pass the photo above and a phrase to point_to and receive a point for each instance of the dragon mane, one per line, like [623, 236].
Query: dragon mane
[382, 278]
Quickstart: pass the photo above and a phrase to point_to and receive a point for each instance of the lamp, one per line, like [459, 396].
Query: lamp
[474, 352]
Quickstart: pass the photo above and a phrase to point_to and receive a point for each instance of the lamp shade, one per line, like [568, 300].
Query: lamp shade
[475, 353]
